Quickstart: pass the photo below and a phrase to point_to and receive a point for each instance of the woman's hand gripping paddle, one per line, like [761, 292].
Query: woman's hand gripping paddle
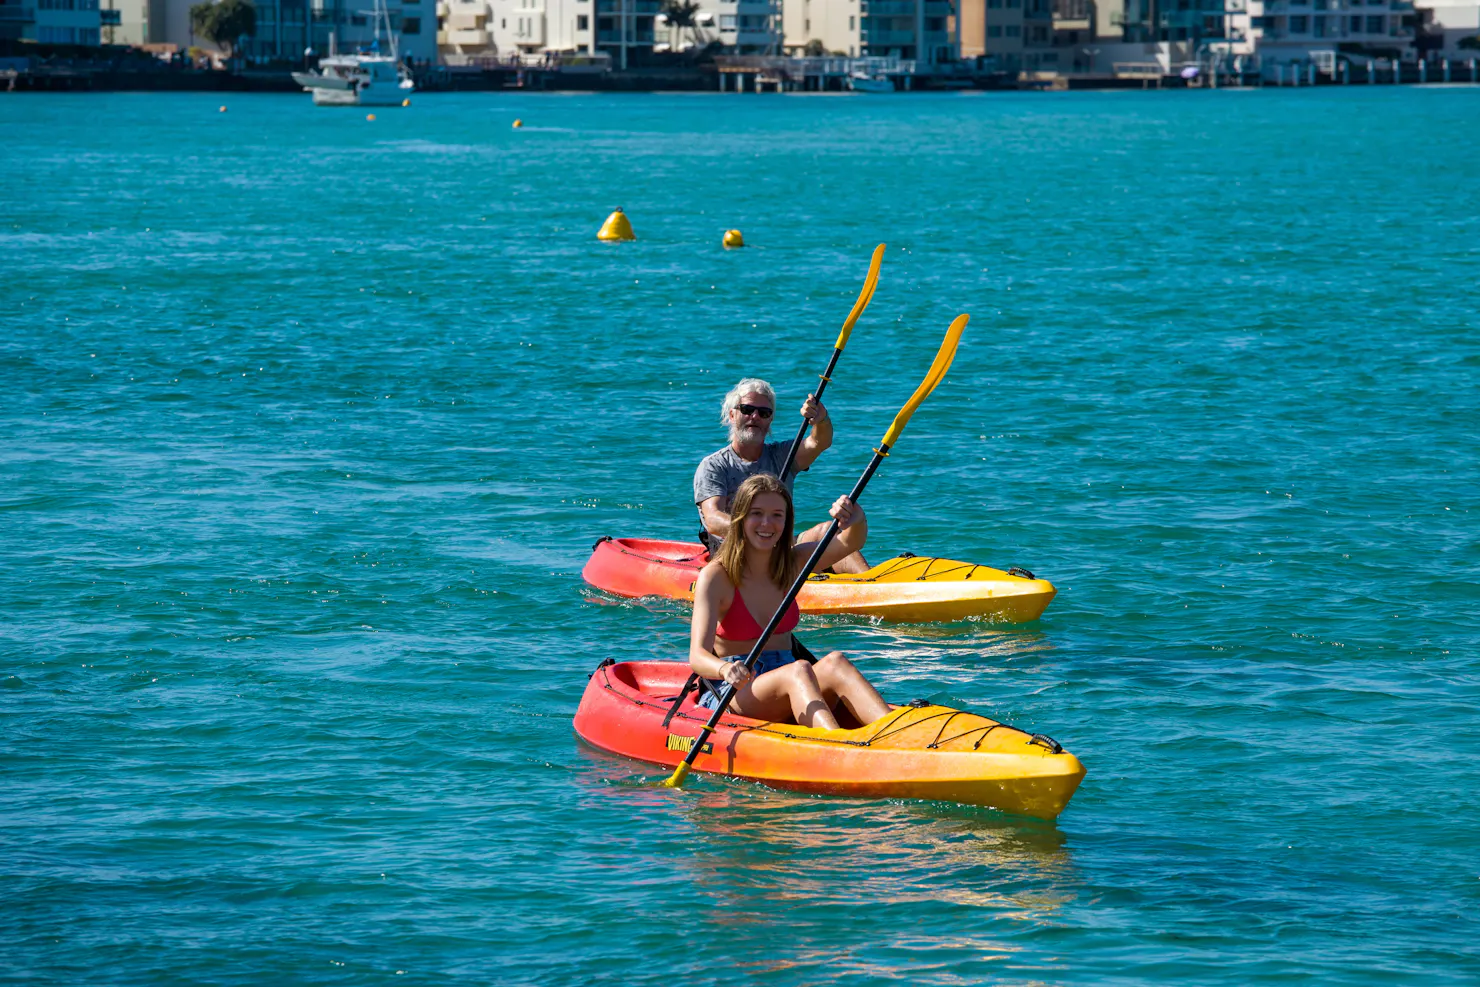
[864, 297]
[937, 372]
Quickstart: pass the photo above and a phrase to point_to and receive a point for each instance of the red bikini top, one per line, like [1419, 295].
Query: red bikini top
[739, 625]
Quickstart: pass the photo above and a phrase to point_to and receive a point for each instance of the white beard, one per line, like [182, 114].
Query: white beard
[744, 435]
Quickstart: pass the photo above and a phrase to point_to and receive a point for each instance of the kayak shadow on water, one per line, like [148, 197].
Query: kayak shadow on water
[742, 838]
[761, 845]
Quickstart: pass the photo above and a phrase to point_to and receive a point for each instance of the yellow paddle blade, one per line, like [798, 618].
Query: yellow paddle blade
[864, 297]
[679, 774]
[938, 369]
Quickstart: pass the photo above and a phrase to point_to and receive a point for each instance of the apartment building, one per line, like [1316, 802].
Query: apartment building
[287, 28]
[1285, 31]
[626, 30]
[834, 24]
[922, 30]
[1449, 22]
[69, 22]
[993, 30]
[747, 27]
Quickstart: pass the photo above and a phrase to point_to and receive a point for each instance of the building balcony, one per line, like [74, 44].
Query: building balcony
[466, 22]
[639, 8]
[634, 38]
[13, 14]
[476, 38]
[903, 8]
[886, 39]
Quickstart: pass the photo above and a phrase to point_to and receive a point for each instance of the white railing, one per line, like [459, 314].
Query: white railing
[805, 65]
[1138, 70]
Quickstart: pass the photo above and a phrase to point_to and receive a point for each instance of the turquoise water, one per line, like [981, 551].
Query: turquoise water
[311, 422]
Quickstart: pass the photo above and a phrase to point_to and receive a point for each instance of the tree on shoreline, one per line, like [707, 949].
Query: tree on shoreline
[224, 23]
[682, 16]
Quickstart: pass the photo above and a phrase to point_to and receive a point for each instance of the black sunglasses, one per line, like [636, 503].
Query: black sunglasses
[755, 409]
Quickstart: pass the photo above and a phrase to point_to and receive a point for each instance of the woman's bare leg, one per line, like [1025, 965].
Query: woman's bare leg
[848, 564]
[839, 678]
[791, 690]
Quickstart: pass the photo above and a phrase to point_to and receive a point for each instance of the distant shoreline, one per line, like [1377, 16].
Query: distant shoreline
[129, 73]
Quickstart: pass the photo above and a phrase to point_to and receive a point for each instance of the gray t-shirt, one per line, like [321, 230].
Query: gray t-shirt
[721, 473]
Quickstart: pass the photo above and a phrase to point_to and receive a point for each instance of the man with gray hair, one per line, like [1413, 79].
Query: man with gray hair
[747, 412]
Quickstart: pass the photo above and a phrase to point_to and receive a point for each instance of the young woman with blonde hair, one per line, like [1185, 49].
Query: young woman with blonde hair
[739, 590]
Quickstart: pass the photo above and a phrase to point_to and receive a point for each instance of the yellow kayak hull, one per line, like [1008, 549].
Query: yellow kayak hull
[912, 589]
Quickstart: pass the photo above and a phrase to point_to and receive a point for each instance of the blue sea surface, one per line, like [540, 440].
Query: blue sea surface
[310, 423]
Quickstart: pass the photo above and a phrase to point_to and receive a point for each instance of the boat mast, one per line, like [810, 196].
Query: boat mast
[382, 16]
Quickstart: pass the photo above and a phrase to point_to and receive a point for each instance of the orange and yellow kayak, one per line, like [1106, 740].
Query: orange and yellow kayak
[910, 588]
[919, 751]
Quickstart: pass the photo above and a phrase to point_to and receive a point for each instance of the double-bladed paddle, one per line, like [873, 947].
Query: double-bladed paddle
[937, 372]
[864, 297]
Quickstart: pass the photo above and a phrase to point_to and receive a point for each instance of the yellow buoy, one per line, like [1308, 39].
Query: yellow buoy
[223, 109]
[733, 239]
[617, 227]
[369, 116]
[518, 124]
[405, 102]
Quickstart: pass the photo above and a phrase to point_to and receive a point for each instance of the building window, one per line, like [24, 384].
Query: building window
[411, 25]
[1375, 25]
[727, 22]
[850, 23]
[1356, 27]
[583, 23]
[995, 4]
[994, 30]
[1318, 27]
[1299, 24]
[935, 23]
[1014, 31]
[1014, 4]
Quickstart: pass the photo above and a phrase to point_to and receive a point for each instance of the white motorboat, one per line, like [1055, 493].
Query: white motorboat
[862, 82]
[365, 79]
[357, 80]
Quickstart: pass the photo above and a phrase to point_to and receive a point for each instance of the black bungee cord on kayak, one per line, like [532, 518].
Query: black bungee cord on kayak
[885, 731]
[938, 369]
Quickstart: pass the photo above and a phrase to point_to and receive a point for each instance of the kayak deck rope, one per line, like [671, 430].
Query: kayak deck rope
[703, 554]
[884, 732]
[930, 568]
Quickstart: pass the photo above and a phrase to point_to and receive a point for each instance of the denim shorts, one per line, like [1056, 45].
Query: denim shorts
[767, 662]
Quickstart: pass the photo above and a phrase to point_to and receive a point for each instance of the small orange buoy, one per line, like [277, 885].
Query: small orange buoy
[369, 116]
[732, 239]
[223, 109]
[518, 124]
[405, 102]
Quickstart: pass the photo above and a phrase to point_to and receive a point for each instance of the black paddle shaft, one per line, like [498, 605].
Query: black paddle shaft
[728, 693]
[791, 454]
